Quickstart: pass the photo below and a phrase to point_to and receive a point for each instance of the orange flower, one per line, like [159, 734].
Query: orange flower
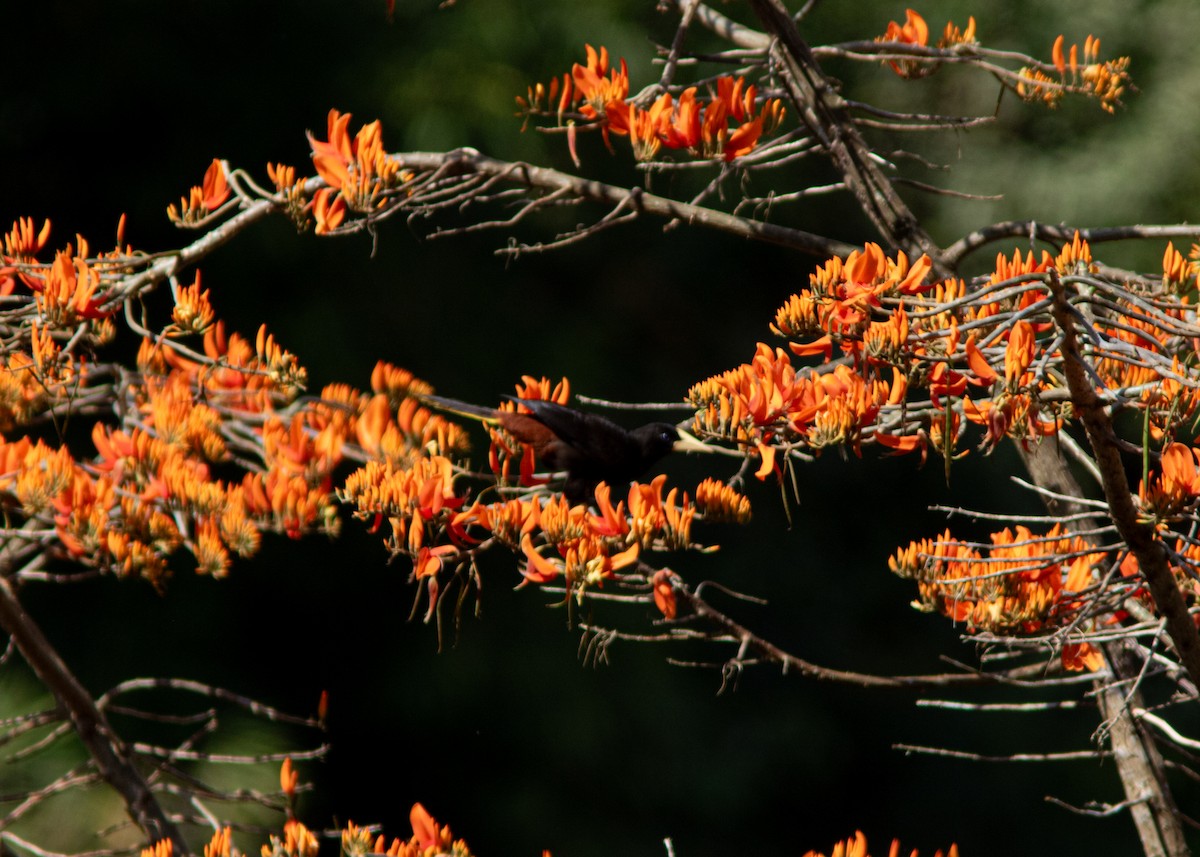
[683, 129]
[646, 127]
[1177, 271]
[664, 592]
[857, 847]
[220, 844]
[1019, 353]
[597, 85]
[716, 501]
[299, 841]
[68, 292]
[743, 140]
[214, 190]
[901, 444]
[984, 373]
[203, 200]
[329, 210]
[359, 168]
[22, 243]
[1179, 477]
[289, 777]
[609, 522]
[952, 35]
[914, 31]
[537, 567]
[193, 313]
[425, 829]
[767, 467]
[1176, 485]
[1082, 657]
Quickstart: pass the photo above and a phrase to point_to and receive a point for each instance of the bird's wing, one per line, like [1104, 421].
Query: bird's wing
[582, 431]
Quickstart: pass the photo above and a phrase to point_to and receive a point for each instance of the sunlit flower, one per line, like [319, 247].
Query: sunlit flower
[162, 848]
[215, 189]
[952, 35]
[220, 844]
[329, 210]
[192, 313]
[597, 85]
[664, 592]
[203, 200]
[1019, 353]
[23, 243]
[716, 501]
[359, 167]
[68, 292]
[1017, 586]
[1082, 657]
[914, 31]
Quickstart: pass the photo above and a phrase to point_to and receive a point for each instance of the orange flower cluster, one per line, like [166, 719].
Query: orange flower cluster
[361, 175]
[430, 524]
[202, 200]
[150, 489]
[843, 294]
[922, 362]
[1106, 82]
[1173, 490]
[34, 380]
[428, 839]
[766, 406]
[902, 335]
[67, 292]
[717, 502]
[1023, 584]
[292, 191]
[914, 31]
[232, 372]
[193, 313]
[856, 846]
[297, 841]
[359, 167]
[727, 125]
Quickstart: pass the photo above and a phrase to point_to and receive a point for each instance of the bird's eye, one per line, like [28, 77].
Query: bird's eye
[666, 437]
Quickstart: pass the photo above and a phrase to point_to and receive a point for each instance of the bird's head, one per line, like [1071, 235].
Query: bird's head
[657, 439]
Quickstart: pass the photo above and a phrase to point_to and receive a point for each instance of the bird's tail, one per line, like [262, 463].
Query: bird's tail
[462, 409]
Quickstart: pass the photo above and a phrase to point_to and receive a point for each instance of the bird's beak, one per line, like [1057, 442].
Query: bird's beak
[688, 442]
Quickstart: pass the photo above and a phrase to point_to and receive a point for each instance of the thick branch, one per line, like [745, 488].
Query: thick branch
[826, 115]
[1147, 793]
[102, 743]
[1150, 552]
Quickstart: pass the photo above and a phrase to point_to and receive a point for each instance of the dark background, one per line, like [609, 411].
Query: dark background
[506, 734]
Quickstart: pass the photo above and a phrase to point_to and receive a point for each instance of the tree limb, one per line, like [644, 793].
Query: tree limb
[109, 753]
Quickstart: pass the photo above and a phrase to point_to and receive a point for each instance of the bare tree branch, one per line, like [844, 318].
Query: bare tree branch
[108, 752]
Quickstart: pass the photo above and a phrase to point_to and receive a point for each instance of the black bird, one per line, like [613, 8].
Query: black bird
[590, 448]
